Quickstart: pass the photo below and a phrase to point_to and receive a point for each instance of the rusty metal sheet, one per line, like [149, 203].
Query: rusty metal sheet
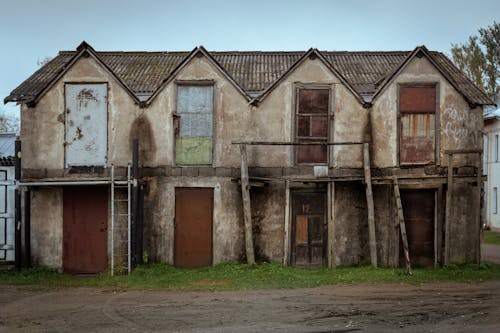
[86, 124]
[195, 112]
[85, 229]
[418, 211]
[417, 99]
[417, 139]
[308, 229]
[193, 227]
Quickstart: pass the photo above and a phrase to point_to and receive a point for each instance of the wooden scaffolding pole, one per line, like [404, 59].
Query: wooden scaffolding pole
[449, 191]
[402, 226]
[369, 204]
[247, 212]
[478, 205]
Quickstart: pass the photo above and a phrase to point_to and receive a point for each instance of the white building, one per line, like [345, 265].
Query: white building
[492, 168]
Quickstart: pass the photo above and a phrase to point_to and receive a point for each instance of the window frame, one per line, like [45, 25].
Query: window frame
[434, 85]
[176, 118]
[295, 119]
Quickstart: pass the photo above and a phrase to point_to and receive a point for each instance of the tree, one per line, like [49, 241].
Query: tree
[479, 59]
[8, 123]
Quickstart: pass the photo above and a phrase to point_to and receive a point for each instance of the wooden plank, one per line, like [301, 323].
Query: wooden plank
[402, 226]
[247, 213]
[462, 151]
[478, 205]
[286, 242]
[369, 204]
[448, 210]
[331, 225]
[281, 143]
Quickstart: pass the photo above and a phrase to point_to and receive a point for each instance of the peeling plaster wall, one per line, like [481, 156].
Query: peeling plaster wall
[459, 126]
[463, 244]
[42, 127]
[47, 227]
[159, 213]
[268, 216]
[351, 224]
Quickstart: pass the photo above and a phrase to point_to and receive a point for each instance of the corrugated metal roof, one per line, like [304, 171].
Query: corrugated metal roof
[144, 72]
[7, 145]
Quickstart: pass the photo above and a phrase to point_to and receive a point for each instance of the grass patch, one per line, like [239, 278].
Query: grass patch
[242, 277]
[491, 237]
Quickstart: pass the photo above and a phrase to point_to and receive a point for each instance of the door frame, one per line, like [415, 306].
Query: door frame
[291, 256]
[438, 221]
[174, 241]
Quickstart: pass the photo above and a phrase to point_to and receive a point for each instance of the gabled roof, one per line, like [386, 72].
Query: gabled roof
[254, 73]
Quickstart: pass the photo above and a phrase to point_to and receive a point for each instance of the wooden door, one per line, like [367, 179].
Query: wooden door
[308, 230]
[418, 211]
[85, 229]
[193, 227]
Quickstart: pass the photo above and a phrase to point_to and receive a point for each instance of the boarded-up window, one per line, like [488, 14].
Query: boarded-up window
[417, 106]
[86, 124]
[193, 144]
[311, 123]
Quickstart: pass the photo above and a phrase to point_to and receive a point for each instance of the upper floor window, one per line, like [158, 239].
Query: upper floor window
[417, 107]
[311, 124]
[193, 142]
[496, 147]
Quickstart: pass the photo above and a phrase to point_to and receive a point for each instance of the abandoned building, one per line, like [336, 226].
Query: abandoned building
[196, 158]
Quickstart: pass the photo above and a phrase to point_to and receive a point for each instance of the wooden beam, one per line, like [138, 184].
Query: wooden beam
[462, 151]
[286, 242]
[449, 191]
[247, 212]
[282, 143]
[369, 204]
[402, 226]
[331, 225]
[478, 205]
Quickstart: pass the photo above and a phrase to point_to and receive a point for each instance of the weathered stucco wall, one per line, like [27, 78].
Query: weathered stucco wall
[463, 243]
[351, 225]
[387, 233]
[42, 127]
[268, 216]
[459, 125]
[46, 227]
[159, 212]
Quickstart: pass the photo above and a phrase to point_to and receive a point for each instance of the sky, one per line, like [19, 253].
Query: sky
[32, 30]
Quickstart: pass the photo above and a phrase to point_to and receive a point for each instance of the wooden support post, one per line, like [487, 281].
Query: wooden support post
[247, 212]
[286, 242]
[478, 205]
[402, 226]
[369, 204]
[331, 225]
[449, 191]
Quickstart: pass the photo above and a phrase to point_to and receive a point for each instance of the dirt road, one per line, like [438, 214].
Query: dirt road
[442, 307]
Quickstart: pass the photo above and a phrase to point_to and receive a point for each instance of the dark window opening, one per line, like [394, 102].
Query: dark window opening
[311, 123]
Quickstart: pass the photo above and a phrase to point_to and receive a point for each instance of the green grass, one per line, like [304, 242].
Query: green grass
[242, 277]
[491, 237]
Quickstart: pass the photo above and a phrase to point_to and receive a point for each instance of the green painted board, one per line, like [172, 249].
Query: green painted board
[193, 151]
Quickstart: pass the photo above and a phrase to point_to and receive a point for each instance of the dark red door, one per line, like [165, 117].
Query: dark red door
[85, 234]
[193, 227]
[308, 230]
[418, 211]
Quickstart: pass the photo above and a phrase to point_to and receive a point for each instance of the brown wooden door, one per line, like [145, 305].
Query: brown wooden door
[85, 229]
[418, 211]
[308, 230]
[193, 227]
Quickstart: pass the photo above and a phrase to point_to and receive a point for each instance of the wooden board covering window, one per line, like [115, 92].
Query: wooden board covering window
[417, 106]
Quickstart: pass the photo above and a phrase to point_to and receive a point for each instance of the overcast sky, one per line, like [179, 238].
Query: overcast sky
[31, 30]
